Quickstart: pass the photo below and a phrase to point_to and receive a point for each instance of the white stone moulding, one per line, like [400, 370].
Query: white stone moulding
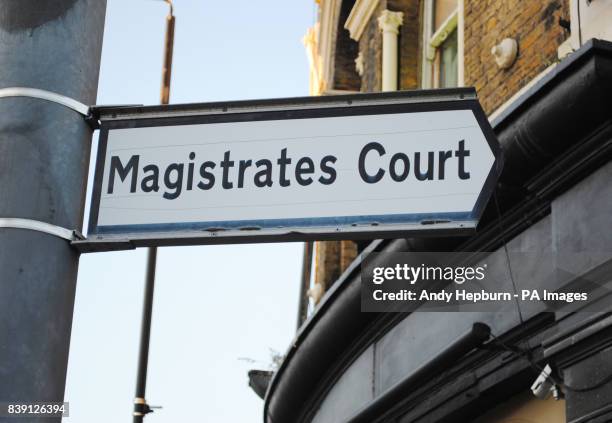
[389, 23]
[359, 17]
[436, 40]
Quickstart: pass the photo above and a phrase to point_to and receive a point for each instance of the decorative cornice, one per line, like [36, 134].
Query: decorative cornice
[389, 21]
[359, 17]
[310, 42]
[330, 10]
[360, 64]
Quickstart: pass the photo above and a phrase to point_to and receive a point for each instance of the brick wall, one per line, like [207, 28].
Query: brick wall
[345, 76]
[370, 46]
[533, 24]
[333, 257]
[409, 36]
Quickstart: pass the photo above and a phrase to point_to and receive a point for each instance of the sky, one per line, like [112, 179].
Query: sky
[216, 308]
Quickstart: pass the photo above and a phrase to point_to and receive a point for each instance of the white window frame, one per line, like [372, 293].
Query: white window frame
[432, 41]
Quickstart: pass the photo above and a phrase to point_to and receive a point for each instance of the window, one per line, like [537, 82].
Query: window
[440, 44]
[448, 61]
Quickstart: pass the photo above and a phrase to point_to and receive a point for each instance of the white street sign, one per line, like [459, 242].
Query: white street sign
[324, 168]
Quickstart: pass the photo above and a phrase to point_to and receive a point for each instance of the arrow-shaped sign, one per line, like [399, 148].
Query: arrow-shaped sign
[356, 166]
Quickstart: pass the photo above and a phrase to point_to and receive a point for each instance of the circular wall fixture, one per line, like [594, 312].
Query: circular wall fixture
[505, 52]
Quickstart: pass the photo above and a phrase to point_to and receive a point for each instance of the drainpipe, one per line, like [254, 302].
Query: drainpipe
[389, 23]
[305, 284]
[461, 44]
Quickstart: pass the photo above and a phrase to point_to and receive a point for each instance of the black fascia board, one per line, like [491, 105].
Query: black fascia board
[304, 367]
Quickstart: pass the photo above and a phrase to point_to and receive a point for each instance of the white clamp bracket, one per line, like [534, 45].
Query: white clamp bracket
[38, 226]
[77, 106]
[71, 103]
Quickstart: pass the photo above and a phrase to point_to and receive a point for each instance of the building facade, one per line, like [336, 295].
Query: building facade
[542, 71]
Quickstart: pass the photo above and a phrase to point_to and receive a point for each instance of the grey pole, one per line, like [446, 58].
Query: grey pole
[304, 284]
[44, 158]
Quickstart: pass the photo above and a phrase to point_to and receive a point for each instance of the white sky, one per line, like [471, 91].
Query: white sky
[215, 304]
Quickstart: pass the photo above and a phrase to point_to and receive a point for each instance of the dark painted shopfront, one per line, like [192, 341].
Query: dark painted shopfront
[554, 198]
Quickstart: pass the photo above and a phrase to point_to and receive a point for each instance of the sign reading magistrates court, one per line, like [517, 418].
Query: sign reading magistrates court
[369, 165]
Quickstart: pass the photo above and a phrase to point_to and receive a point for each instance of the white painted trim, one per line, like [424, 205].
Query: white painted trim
[426, 80]
[590, 19]
[310, 43]
[431, 41]
[447, 27]
[389, 23]
[360, 64]
[330, 10]
[575, 27]
[461, 43]
[359, 17]
[338, 92]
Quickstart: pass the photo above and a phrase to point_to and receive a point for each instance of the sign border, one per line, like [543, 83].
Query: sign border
[282, 109]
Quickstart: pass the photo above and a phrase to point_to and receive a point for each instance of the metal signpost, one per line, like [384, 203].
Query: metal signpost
[50, 54]
[141, 407]
[355, 166]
